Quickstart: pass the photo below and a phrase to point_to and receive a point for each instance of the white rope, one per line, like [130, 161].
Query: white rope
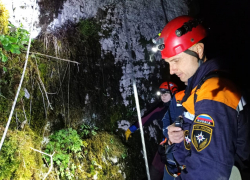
[20, 84]
[141, 128]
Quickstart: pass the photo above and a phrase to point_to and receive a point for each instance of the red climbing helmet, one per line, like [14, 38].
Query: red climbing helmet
[180, 34]
[164, 87]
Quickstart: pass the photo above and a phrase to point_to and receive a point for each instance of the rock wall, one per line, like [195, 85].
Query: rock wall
[132, 25]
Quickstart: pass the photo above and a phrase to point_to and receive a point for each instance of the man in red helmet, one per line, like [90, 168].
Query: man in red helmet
[167, 91]
[212, 136]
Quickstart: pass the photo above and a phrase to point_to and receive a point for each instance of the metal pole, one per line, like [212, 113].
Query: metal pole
[141, 128]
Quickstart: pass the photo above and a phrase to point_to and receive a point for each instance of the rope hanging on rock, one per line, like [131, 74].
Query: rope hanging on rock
[21, 81]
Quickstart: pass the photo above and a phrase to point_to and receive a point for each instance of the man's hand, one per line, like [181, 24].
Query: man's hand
[127, 134]
[175, 134]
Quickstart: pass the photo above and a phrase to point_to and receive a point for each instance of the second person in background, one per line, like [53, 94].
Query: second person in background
[167, 91]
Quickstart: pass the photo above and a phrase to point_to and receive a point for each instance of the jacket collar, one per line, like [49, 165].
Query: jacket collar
[204, 69]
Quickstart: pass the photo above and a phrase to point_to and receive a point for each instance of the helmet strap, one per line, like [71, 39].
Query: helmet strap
[192, 53]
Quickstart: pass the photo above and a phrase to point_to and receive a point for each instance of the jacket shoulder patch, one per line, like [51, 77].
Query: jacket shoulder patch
[201, 136]
[204, 119]
[187, 141]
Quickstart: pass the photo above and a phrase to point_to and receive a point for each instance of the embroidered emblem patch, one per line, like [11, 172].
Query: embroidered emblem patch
[178, 103]
[204, 119]
[201, 136]
[187, 141]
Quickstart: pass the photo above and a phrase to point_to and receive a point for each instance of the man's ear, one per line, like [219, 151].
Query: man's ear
[199, 49]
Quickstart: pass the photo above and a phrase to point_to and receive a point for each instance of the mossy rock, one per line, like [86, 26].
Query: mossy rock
[104, 156]
[18, 161]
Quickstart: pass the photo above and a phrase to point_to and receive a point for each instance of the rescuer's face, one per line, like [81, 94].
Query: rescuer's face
[184, 65]
[165, 97]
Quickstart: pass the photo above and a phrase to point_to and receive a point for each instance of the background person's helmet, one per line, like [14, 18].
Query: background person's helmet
[175, 44]
[168, 87]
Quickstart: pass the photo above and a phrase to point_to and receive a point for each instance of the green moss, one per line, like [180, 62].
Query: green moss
[43, 69]
[18, 160]
[101, 149]
[8, 87]
[89, 28]
[4, 16]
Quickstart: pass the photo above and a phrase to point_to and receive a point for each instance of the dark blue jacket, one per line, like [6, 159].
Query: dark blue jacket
[210, 127]
[175, 109]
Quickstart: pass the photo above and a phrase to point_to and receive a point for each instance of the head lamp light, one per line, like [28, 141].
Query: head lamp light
[159, 45]
[158, 93]
[154, 49]
[162, 91]
[158, 48]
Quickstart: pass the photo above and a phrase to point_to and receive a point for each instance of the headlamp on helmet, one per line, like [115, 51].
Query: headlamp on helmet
[159, 43]
[187, 26]
[162, 91]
